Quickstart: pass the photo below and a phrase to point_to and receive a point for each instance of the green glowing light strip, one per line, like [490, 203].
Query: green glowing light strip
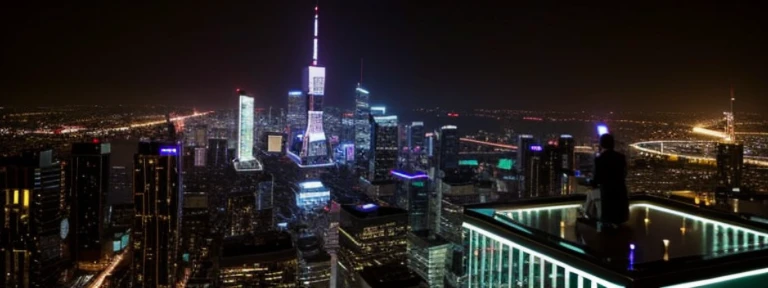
[720, 279]
[574, 248]
[545, 208]
[705, 220]
[594, 279]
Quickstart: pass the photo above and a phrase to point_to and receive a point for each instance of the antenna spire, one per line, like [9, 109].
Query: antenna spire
[361, 71]
[314, 42]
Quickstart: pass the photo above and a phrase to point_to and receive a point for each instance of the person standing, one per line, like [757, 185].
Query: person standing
[610, 177]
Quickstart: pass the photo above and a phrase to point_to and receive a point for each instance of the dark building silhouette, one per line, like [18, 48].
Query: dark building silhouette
[730, 164]
[90, 183]
[218, 154]
[449, 149]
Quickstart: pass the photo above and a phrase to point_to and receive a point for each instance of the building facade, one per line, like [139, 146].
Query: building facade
[157, 201]
[259, 260]
[89, 185]
[384, 148]
[34, 220]
[370, 236]
[362, 124]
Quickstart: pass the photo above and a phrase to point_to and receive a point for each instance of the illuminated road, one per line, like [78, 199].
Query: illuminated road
[642, 147]
[74, 129]
[578, 149]
[99, 280]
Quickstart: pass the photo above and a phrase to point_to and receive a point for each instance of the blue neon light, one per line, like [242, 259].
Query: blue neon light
[295, 93]
[536, 148]
[169, 151]
[362, 90]
[367, 207]
[602, 129]
[407, 176]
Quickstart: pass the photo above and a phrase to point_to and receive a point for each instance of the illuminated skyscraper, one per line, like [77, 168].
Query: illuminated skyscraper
[362, 124]
[347, 128]
[260, 260]
[413, 195]
[378, 110]
[314, 149]
[529, 162]
[416, 137]
[89, 186]
[297, 111]
[383, 148]
[370, 236]
[245, 160]
[34, 224]
[157, 200]
[245, 128]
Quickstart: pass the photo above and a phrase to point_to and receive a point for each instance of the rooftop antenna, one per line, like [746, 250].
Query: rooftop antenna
[361, 71]
[314, 42]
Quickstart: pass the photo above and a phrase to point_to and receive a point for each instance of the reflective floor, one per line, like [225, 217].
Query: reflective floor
[652, 234]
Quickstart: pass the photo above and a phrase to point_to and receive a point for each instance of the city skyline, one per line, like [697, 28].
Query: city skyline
[573, 57]
[447, 163]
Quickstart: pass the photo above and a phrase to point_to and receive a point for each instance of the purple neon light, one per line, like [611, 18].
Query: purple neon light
[168, 151]
[409, 177]
[536, 148]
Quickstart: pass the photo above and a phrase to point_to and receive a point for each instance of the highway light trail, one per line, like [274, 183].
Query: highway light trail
[99, 280]
[642, 147]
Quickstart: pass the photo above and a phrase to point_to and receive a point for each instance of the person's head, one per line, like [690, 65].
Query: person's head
[607, 142]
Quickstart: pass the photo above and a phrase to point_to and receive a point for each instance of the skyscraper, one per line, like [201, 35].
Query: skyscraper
[550, 171]
[314, 149]
[362, 125]
[416, 137]
[201, 136]
[262, 260]
[567, 147]
[384, 149]
[297, 112]
[449, 149]
[529, 163]
[157, 201]
[245, 160]
[34, 223]
[347, 128]
[89, 187]
[730, 164]
[413, 195]
[218, 155]
[371, 236]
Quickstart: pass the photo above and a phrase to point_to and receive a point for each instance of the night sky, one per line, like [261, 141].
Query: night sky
[463, 54]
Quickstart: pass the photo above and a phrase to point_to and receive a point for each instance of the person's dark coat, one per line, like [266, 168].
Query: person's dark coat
[610, 176]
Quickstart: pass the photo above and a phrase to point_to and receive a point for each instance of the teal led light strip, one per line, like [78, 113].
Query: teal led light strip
[545, 208]
[705, 220]
[592, 278]
[720, 279]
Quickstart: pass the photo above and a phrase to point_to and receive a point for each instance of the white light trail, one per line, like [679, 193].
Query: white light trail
[708, 132]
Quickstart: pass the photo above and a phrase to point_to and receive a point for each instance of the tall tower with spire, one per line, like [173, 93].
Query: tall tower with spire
[730, 131]
[311, 148]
